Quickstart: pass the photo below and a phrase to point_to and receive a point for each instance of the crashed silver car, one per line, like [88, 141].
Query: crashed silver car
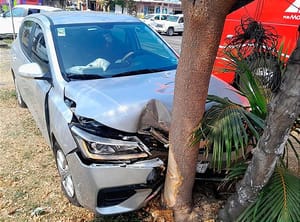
[100, 88]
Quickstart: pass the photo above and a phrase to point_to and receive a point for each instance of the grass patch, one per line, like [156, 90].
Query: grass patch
[20, 194]
[8, 40]
[7, 94]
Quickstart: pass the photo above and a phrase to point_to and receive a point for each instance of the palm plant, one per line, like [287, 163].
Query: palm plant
[230, 131]
[229, 128]
[278, 201]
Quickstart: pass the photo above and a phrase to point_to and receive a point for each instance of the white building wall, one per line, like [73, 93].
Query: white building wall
[150, 6]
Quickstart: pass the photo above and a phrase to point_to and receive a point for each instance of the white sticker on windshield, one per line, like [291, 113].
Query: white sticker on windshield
[61, 32]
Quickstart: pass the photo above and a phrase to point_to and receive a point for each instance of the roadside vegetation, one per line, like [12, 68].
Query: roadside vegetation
[233, 132]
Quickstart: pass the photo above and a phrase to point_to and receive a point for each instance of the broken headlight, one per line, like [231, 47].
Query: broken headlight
[102, 148]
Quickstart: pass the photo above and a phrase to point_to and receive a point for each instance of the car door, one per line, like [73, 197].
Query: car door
[6, 20]
[178, 25]
[35, 91]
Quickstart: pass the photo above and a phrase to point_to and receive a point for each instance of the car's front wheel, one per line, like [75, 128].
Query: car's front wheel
[67, 182]
[170, 31]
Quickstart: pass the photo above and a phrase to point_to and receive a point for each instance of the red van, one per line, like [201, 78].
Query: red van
[283, 15]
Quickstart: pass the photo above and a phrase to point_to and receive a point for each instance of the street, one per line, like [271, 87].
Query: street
[174, 41]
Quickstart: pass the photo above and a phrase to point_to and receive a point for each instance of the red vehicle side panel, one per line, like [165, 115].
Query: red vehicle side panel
[283, 15]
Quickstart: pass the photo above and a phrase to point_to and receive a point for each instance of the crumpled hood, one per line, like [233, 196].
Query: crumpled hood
[119, 102]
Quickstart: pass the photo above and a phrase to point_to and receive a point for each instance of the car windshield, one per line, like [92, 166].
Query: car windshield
[89, 51]
[172, 18]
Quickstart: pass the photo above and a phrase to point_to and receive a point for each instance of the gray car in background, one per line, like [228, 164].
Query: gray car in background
[100, 88]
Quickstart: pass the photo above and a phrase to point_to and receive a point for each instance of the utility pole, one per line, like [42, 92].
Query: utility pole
[12, 18]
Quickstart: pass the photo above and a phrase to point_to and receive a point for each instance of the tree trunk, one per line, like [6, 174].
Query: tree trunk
[283, 111]
[204, 20]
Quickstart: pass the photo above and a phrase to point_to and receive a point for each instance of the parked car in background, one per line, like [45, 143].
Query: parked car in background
[19, 12]
[100, 88]
[149, 19]
[173, 24]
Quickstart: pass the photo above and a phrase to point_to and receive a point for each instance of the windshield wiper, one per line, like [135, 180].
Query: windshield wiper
[136, 72]
[85, 76]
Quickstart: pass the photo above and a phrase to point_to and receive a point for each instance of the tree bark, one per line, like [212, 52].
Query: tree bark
[204, 20]
[283, 111]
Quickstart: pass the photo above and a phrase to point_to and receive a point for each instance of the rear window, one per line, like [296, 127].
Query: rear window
[33, 10]
[172, 18]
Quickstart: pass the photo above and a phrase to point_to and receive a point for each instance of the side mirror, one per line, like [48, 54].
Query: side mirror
[32, 71]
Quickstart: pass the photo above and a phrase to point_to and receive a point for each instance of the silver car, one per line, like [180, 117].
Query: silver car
[100, 88]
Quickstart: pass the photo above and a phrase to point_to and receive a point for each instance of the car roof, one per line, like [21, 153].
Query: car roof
[43, 7]
[81, 17]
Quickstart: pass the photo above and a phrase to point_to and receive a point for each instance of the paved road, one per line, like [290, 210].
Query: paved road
[174, 41]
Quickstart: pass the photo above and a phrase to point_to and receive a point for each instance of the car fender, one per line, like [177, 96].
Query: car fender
[60, 116]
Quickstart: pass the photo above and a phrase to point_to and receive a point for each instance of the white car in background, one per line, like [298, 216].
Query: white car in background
[173, 24]
[150, 19]
[19, 12]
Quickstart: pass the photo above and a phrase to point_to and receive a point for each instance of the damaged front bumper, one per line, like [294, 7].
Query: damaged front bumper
[113, 176]
[115, 188]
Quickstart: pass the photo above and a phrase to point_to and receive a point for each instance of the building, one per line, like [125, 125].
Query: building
[144, 7]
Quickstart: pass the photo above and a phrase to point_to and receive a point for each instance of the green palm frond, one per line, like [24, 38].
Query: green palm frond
[226, 127]
[249, 85]
[279, 200]
[282, 56]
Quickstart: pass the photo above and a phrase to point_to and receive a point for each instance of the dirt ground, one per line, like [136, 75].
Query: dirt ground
[29, 183]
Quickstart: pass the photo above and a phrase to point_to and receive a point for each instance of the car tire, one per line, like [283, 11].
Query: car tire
[170, 31]
[265, 67]
[20, 100]
[67, 183]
